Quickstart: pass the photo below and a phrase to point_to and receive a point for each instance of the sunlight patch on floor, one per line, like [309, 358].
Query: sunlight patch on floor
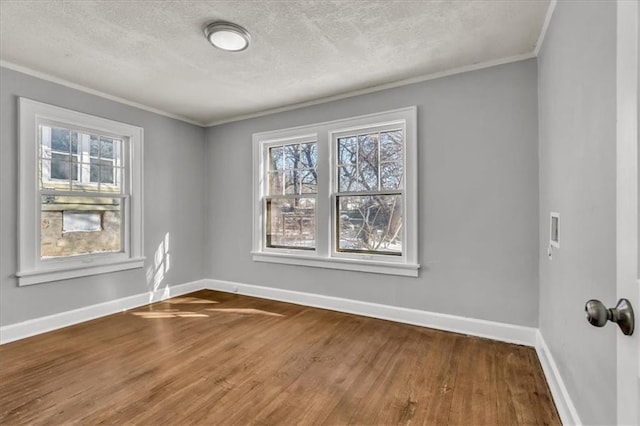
[169, 313]
[189, 300]
[246, 311]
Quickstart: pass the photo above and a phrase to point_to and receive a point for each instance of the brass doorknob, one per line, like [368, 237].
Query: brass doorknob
[622, 314]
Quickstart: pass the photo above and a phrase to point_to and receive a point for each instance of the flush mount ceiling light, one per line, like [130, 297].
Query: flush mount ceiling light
[227, 36]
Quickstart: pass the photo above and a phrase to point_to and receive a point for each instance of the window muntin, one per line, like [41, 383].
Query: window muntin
[369, 170]
[366, 193]
[88, 169]
[290, 200]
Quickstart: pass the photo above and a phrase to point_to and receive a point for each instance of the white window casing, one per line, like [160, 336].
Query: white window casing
[32, 267]
[326, 254]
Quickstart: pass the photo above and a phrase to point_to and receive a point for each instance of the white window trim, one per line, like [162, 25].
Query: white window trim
[32, 269]
[325, 255]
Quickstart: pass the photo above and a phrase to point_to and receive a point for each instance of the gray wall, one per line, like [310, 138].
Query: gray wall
[174, 166]
[577, 107]
[478, 204]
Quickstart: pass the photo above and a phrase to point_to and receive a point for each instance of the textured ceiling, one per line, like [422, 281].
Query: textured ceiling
[154, 53]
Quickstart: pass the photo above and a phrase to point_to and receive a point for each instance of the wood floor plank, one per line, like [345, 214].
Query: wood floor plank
[218, 358]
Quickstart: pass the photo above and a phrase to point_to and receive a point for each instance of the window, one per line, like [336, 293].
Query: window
[80, 194]
[339, 195]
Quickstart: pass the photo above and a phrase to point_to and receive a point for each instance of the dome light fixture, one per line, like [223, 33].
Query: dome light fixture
[227, 36]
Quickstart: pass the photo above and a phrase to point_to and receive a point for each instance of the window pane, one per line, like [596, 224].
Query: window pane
[107, 173]
[291, 183]
[391, 175]
[56, 242]
[370, 224]
[46, 181]
[368, 178]
[94, 143]
[348, 179]
[74, 167]
[291, 223]
[275, 183]
[276, 159]
[391, 146]
[60, 140]
[94, 175]
[102, 171]
[368, 149]
[74, 142]
[106, 147]
[308, 155]
[60, 167]
[347, 150]
[308, 181]
[291, 156]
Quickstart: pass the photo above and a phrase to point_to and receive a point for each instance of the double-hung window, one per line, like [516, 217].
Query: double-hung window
[340, 194]
[368, 190]
[291, 193]
[80, 194]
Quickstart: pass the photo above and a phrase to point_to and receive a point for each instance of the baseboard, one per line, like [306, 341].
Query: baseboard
[32, 327]
[561, 397]
[474, 327]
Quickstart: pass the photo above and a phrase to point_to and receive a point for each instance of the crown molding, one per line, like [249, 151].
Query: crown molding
[545, 26]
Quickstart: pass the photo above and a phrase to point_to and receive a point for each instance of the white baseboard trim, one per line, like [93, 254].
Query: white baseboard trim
[566, 410]
[32, 327]
[474, 327]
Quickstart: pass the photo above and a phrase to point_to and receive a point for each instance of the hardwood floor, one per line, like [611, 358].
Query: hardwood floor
[216, 358]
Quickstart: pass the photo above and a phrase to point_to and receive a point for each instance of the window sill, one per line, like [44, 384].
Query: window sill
[65, 272]
[375, 267]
